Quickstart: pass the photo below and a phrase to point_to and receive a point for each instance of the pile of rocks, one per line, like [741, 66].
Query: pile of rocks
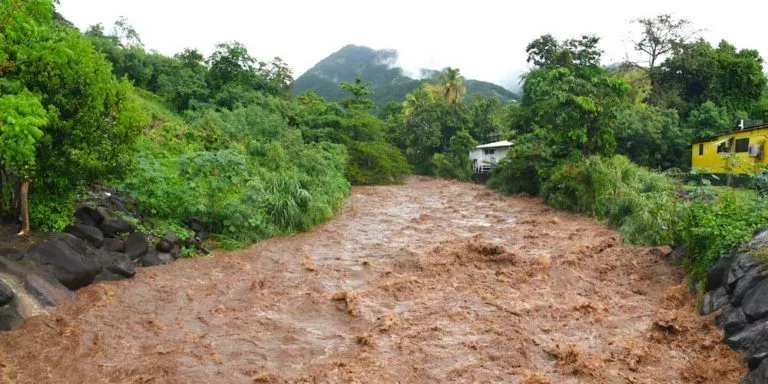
[737, 287]
[100, 246]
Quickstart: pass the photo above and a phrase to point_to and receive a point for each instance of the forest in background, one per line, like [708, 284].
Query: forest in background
[222, 139]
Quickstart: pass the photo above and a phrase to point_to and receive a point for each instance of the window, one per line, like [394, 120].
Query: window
[725, 146]
[701, 149]
[490, 151]
[742, 145]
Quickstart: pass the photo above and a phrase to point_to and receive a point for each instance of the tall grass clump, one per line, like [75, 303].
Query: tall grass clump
[641, 204]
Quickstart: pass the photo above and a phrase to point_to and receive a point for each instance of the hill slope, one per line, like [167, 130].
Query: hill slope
[389, 83]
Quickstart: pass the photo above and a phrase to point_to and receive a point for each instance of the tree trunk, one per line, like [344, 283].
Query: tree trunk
[24, 193]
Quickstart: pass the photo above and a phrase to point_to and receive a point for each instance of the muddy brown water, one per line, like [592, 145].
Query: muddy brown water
[432, 281]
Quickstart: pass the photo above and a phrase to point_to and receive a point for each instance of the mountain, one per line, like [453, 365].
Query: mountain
[388, 82]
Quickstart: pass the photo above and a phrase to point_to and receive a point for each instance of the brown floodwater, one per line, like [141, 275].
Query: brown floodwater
[428, 282]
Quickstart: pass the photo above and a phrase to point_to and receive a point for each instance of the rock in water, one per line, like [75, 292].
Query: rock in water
[714, 300]
[732, 320]
[90, 234]
[757, 376]
[752, 339]
[48, 293]
[6, 294]
[64, 256]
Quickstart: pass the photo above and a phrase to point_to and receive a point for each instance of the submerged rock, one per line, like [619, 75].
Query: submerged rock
[6, 294]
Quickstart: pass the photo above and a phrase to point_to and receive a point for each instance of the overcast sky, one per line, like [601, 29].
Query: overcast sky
[485, 39]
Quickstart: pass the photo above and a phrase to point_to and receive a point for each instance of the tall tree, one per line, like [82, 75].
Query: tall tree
[452, 84]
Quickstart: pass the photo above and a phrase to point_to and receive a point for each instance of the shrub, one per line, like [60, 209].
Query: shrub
[712, 229]
[640, 203]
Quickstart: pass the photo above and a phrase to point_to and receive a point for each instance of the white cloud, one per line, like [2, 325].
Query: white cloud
[486, 39]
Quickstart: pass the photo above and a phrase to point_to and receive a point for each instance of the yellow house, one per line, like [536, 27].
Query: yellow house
[745, 148]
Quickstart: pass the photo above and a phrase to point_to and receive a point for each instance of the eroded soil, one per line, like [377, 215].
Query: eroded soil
[432, 281]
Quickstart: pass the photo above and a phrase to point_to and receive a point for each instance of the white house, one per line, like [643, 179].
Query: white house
[485, 157]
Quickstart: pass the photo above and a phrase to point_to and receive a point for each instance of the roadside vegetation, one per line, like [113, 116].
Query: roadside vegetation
[221, 138]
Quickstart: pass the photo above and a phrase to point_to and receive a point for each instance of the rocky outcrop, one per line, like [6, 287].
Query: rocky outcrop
[102, 245]
[738, 288]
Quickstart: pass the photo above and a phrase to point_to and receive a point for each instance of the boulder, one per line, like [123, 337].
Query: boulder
[6, 294]
[118, 203]
[754, 361]
[136, 246]
[165, 258]
[714, 300]
[64, 256]
[718, 273]
[88, 233]
[746, 283]
[752, 339]
[192, 242]
[741, 265]
[85, 215]
[9, 318]
[731, 320]
[151, 259]
[115, 227]
[48, 292]
[104, 214]
[164, 246]
[171, 237]
[12, 254]
[121, 265]
[755, 303]
[114, 245]
[757, 376]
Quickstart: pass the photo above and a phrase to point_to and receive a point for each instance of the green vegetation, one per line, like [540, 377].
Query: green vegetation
[235, 142]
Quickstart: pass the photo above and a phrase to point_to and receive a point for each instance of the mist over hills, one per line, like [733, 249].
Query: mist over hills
[379, 67]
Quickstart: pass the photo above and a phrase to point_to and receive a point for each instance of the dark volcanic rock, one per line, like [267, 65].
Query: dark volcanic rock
[746, 283]
[714, 300]
[90, 234]
[6, 294]
[85, 215]
[193, 224]
[151, 259]
[65, 257]
[755, 360]
[164, 246]
[122, 265]
[752, 339]
[114, 245]
[718, 272]
[171, 237]
[755, 303]
[741, 265]
[115, 227]
[136, 246]
[731, 320]
[12, 254]
[47, 292]
[760, 240]
[757, 376]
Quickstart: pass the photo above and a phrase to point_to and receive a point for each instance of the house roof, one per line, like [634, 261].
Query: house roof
[497, 144]
[752, 128]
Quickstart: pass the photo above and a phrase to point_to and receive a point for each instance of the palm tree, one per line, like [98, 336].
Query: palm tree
[453, 85]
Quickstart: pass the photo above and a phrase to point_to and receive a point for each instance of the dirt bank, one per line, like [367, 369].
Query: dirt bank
[433, 281]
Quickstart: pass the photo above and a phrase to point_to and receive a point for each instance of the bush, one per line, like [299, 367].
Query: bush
[640, 203]
[712, 229]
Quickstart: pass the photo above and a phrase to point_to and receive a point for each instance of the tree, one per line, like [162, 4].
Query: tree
[652, 137]
[21, 117]
[548, 52]
[659, 37]
[359, 95]
[485, 116]
[452, 84]
[697, 72]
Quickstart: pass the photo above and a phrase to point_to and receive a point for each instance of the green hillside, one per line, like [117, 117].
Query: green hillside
[389, 83]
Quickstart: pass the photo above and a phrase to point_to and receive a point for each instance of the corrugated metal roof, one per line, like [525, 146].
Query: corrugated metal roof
[747, 129]
[497, 144]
